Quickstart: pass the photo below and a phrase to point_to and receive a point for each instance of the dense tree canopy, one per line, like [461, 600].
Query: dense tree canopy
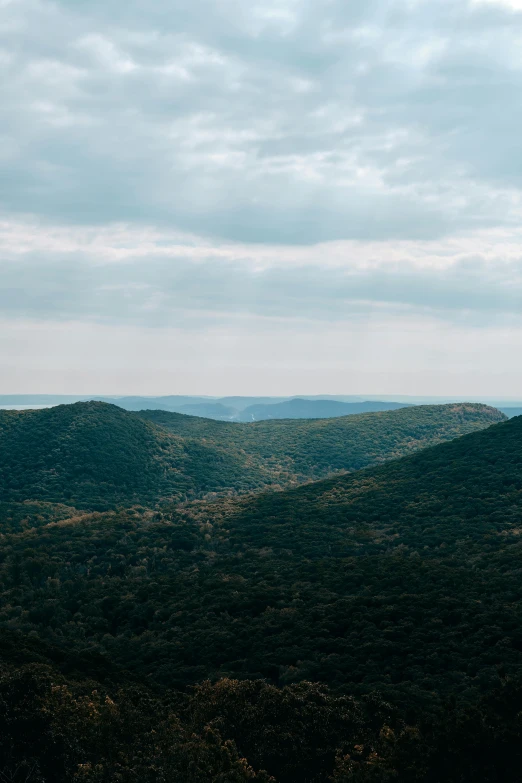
[364, 580]
[97, 456]
[366, 627]
[291, 451]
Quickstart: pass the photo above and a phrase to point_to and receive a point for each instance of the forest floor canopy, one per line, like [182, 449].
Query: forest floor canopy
[367, 626]
[97, 456]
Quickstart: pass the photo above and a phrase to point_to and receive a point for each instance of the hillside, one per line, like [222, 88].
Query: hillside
[403, 577]
[381, 609]
[96, 456]
[292, 451]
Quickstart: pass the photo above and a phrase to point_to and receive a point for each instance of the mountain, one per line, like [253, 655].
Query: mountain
[358, 568]
[94, 454]
[300, 408]
[240, 403]
[293, 451]
[259, 408]
[365, 627]
[209, 410]
[252, 408]
[97, 456]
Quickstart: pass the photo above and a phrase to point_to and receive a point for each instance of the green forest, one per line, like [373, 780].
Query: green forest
[97, 456]
[158, 625]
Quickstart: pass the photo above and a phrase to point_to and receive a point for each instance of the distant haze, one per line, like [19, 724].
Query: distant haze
[250, 409]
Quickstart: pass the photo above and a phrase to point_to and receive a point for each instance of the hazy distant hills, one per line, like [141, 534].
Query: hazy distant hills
[223, 409]
[96, 455]
[237, 408]
[512, 412]
[296, 408]
[300, 408]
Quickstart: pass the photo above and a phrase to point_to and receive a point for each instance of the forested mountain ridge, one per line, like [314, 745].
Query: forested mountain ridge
[86, 454]
[93, 455]
[298, 450]
[359, 581]
[365, 628]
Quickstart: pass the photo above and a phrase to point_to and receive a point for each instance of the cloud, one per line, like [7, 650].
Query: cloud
[277, 122]
[512, 5]
[148, 279]
[276, 183]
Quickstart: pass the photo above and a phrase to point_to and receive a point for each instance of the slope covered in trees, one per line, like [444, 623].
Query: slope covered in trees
[97, 456]
[366, 627]
[57, 728]
[403, 577]
[292, 451]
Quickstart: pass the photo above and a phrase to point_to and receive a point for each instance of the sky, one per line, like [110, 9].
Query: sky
[272, 197]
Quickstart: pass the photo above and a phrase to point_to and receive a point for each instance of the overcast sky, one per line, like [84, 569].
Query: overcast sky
[265, 197]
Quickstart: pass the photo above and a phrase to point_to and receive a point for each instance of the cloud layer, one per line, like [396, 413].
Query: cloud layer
[280, 121]
[231, 167]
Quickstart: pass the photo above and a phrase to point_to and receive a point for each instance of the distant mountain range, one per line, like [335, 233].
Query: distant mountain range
[300, 408]
[511, 412]
[248, 409]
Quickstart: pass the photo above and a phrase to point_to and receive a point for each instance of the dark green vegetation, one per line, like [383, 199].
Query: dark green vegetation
[88, 454]
[56, 728]
[97, 456]
[377, 579]
[367, 627]
[293, 451]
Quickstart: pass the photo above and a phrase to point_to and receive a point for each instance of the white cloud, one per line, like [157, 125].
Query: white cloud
[391, 120]
[152, 279]
[514, 5]
[221, 174]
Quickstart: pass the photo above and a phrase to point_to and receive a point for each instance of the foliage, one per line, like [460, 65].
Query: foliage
[366, 627]
[291, 451]
[404, 577]
[56, 729]
[97, 456]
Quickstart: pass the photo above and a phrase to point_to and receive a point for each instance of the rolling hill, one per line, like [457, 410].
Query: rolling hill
[293, 451]
[96, 456]
[398, 577]
[398, 585]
